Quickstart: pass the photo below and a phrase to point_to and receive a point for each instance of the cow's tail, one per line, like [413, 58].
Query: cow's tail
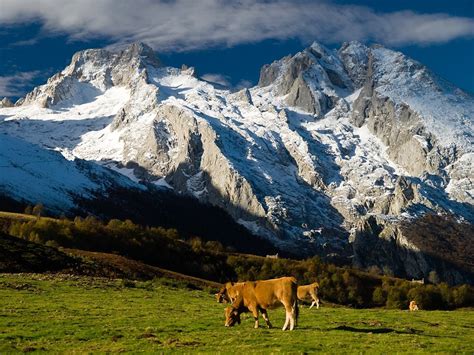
[296, 311]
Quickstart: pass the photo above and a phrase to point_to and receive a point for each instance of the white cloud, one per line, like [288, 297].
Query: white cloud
[225, 81]
[189, 24]
[220, 79]
[244, 84]
[14, 85]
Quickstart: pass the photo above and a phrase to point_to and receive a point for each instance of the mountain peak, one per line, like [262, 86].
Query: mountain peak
[140, 50]
[95, 69]
[318, 49]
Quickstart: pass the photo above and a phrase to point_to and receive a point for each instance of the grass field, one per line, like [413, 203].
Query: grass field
[65, 313]
[20, 216]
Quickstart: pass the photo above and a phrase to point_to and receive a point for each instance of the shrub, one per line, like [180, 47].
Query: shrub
[395, 298]
[378, 297]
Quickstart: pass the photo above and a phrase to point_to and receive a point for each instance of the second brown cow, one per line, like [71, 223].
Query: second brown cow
[309, 292]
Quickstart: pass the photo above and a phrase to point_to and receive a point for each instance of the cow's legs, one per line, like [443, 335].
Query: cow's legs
[287, 320]
[291, 311]
[255, 316]
[315, 300]
[293, 316]
[288, 316]
[265, 316]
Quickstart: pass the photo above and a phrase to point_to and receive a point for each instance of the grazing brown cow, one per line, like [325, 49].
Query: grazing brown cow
[255, 296]
[309, 291]
[413, 306]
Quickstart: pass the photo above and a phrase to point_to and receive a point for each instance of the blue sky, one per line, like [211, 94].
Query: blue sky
[229, 41]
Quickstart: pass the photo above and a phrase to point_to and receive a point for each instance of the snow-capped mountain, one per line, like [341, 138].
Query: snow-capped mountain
[329, 142]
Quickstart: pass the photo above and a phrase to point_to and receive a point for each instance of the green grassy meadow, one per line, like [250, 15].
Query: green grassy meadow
[71, 313]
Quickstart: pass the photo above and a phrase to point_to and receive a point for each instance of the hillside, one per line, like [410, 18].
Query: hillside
[20, 256]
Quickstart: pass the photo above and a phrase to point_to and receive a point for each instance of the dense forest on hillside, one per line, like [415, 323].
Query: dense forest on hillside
[452, 241]
[211, 260]
[160, 208]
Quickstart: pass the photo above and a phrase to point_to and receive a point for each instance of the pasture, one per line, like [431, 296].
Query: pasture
[65, 313]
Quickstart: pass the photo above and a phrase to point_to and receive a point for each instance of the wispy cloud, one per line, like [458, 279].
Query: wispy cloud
[14, 85]
[26, 42]
[223, 80]
[189, 24]
[244, 84]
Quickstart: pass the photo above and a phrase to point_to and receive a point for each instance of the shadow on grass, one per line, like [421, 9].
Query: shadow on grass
[376, 330]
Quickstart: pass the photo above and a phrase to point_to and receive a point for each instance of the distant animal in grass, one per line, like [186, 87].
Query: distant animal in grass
[309, 292]
[413, 306]
[272, 256]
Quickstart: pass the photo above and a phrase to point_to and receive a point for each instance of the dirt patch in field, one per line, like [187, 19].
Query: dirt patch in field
[174, 342]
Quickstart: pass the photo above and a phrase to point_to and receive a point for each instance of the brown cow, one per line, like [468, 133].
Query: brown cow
[413, 306]
[255, 296]
[309, 291]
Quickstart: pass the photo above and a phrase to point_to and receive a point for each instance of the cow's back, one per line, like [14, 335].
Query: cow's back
[270, 293]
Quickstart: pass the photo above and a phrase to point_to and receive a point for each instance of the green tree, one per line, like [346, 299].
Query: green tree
[29, 210]
[378, 296]
[395, 298]
[38, 210]
[462, 296]
[433, 277]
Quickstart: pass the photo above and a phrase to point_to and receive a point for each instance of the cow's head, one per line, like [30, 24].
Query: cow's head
[232, 316]
[228, 293]
[222, 296]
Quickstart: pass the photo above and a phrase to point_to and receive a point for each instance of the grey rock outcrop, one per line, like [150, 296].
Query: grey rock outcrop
[6, 102]
[310, 79]
[300, 95]
[243, 95]
[355, 58]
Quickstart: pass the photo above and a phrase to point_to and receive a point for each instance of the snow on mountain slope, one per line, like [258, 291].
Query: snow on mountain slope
[34, 174]
[66, 125]
[446, 110]
[327, 139]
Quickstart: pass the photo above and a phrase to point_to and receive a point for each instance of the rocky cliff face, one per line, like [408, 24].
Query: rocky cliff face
[329, 149]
